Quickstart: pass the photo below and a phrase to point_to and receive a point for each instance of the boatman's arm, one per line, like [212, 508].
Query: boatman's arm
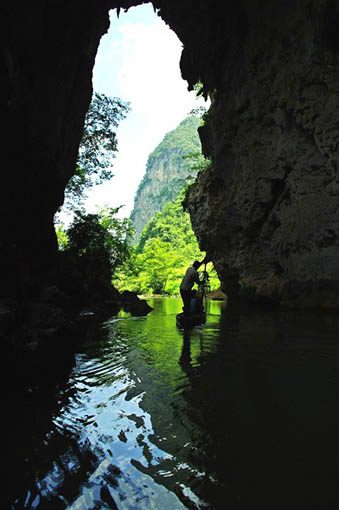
[196, 278]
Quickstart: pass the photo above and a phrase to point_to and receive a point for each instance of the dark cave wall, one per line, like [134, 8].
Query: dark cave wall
[47, 55]
[267, 209]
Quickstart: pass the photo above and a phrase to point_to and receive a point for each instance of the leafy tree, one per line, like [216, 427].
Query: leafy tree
[97, 149]
[100, 237]
[61, 237]
[118, 232]
[198, 163]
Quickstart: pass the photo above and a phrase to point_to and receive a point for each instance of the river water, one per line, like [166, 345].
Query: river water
[240, 413]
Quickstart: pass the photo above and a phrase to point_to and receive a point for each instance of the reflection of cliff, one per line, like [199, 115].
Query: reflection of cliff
[266, 400]
[168, 168]
[185, 360]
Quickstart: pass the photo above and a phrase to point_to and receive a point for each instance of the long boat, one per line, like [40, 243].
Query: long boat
[189, 321]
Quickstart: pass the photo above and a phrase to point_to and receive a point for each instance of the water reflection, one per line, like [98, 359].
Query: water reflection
[240, 412]
[185, 358]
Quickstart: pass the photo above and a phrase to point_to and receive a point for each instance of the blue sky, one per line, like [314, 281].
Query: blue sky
[138, 61]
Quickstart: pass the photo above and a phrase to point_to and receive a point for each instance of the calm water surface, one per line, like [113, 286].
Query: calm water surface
[241, 412]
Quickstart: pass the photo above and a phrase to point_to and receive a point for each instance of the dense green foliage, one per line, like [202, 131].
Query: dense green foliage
[184, 140]
[96, 245]
[100, 238]
[166, 248]
[61, 237]
[97, 149]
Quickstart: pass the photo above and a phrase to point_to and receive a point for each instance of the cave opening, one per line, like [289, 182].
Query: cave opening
[156, 155]
[244, 408]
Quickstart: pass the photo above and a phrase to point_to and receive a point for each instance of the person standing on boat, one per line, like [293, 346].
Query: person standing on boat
[191, 277]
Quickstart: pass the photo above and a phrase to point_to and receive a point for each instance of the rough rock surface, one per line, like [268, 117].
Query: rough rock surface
[47, 52]
[266, 211]
[131, 303]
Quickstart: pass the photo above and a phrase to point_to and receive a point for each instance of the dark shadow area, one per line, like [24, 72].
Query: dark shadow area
[33, 397]
[267, 402]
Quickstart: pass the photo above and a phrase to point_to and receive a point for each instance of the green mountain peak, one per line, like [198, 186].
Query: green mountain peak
[169, 167]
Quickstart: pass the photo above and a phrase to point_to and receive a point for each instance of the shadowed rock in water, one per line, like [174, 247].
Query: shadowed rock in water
[133, 304]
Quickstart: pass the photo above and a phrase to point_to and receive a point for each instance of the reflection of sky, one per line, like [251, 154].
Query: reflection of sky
[119, 413]
[245, 404]
[106, 417]
[138, 61]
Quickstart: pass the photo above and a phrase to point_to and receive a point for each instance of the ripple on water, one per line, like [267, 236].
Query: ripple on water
[154, 417]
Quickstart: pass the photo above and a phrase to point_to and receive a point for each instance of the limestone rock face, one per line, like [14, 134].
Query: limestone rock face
[168, 167]
[267, 210]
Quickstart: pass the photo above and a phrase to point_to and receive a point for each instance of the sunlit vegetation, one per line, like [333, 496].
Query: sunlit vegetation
[155, 266]
[100, 245]
[99, 241]
[166, 248]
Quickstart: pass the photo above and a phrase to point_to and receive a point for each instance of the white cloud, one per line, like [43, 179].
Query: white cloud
[140, 65]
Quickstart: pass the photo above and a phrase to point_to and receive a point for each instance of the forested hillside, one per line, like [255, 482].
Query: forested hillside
[174, 161]
[166, 248]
